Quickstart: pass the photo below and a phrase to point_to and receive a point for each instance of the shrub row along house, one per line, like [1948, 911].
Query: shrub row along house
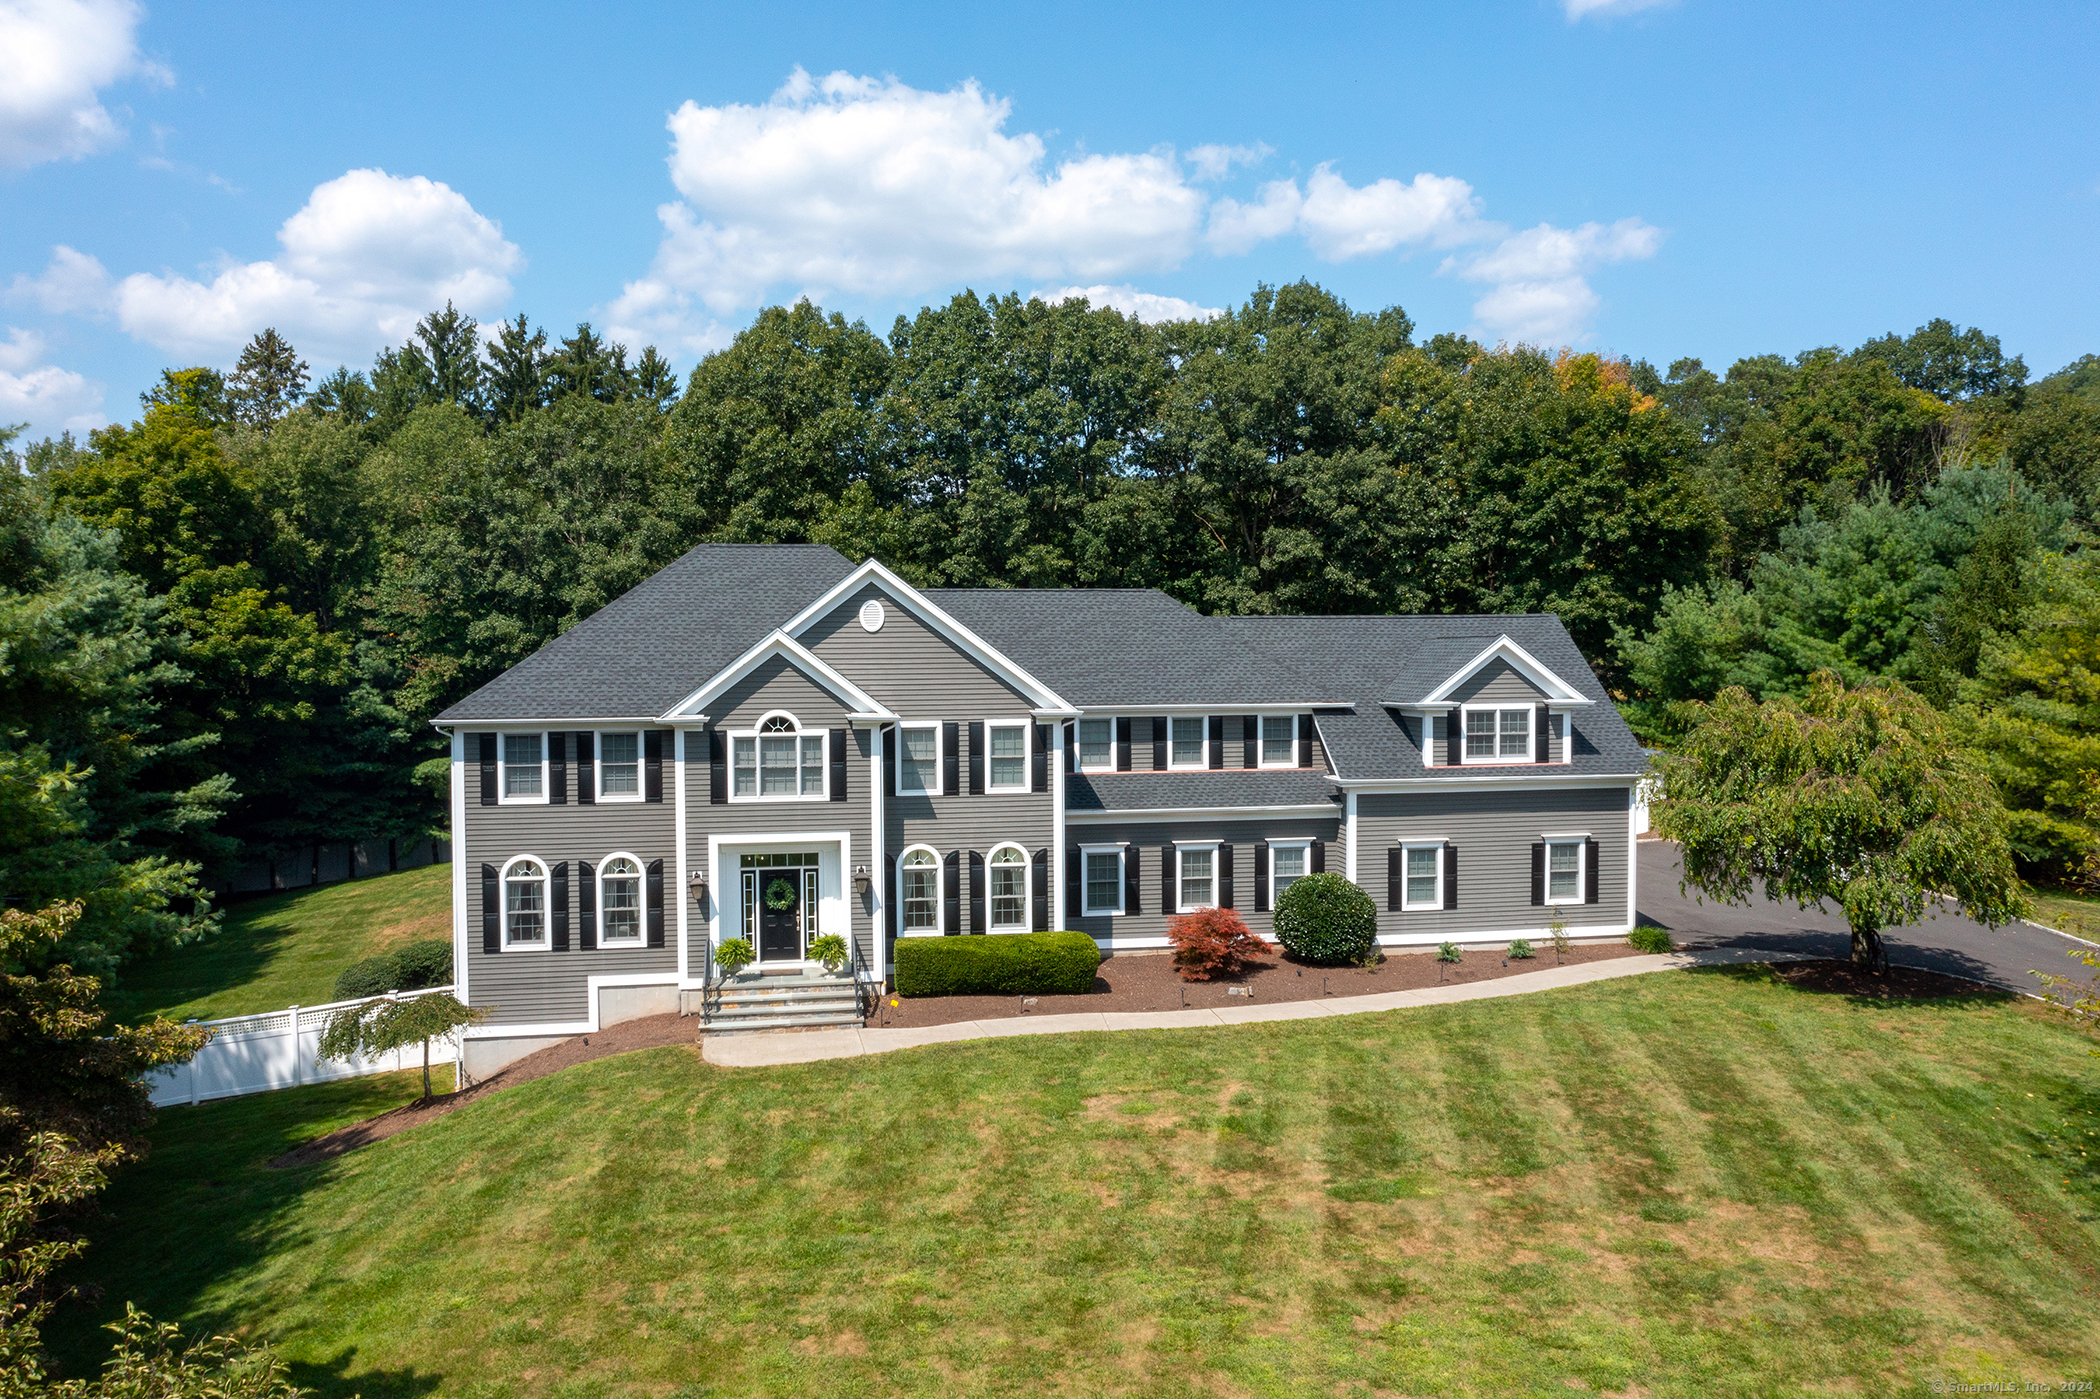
[767, 742]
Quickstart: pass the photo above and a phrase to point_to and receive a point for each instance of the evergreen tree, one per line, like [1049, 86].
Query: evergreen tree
[517, 370]
[268, 381]
[452, 348]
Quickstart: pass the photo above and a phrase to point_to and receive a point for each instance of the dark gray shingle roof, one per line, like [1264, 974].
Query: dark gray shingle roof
[1157, 791]
[665, 638]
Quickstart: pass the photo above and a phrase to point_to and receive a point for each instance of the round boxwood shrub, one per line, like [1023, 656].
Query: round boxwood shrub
[421, 964]
[1651, 939]
[1327, 921]
[374, 976]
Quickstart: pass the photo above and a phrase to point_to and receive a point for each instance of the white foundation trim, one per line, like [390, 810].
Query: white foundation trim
[460, 961]
[592, 985]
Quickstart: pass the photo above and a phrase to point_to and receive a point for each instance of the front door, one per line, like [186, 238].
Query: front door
[780, 916]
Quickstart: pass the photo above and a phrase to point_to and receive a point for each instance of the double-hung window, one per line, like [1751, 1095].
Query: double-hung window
[1104, 879]
[1007, 770]
[1564, 871]
[1009, 889]
[525, 904]
[1199, 870]
[620, 900]
[1097, 748]
[524, 767]
[1498, 735]
[1423, 869]
[1185, 748]
[919, 758]
[1288, 862]
[1279, 740]
[919, 875]
[778, 761]
[620, 766]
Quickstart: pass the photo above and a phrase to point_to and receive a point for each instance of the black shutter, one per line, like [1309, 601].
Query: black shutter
[951, 912]
[1450, 876]
[557, 769]
[1538, 874]
[890, 893]
[838, 765]
[1250, 741]
[1319, 857]
[1395, 879]
[976, 891]
[1133, 872]
[1039, 760]
[1123, 745]
[488, 769]
[1040, 887]
[1454, 738]
[1168, 902]
[717, 767]
[1261, 876]
[491, 909]
[951, 780]
[653, 768]
[586, 908]
[653, 901]
[1162, 731]
[1224, 876]
[1589, 872]
[977, 757]
[586, 775]
[1217, 740]
[890, 739]
[560, 941]
[1305, 737]
[1072, 747]
[1075, 885]
[1543, 738]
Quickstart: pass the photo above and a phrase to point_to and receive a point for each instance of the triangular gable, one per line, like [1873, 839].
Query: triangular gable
[954, 632]
[859, 703]
[1558, 691]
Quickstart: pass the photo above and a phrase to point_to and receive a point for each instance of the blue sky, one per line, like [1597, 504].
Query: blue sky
[1690, 177]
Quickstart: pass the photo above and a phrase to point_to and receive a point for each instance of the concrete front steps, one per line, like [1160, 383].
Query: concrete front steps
[802, 1000]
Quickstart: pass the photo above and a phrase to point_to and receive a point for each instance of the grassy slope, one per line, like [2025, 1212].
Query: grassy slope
[2068, 912]
[1702, 1184]
[287, 949]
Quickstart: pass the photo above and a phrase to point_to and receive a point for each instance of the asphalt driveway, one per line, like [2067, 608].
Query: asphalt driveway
[1946, 942]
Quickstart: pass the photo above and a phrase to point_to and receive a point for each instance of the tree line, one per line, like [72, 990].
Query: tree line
[229, 622]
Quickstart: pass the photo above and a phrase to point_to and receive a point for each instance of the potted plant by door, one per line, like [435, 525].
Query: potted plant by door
[829, 951]
[732, 955]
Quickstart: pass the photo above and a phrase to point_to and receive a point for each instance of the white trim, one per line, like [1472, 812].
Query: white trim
[1060, 916]
[1349, 825]
[1210, 707]
[561, 722]
[1498, 709]
[679, 862]
[546, 939]
[755, 734]
[1436, 902]
[1202, 763]
[1303, 843]
[1121, 851]
[1529, 779]
[1182, 848]
[1261, 742]
[641, 877]
[1140, 813]
[589, 1026]
[1577, 932]
[939, 787]
[460, 960]
[1027, 870]
[503, 796]
[879, 837]
[859, 702]
[1079, 743]
[719, 846]
[1582, 869]
[1027, 782]
[1633, 858]
[641, 762]
[1557, 690]
[939, 898]
[954, 632]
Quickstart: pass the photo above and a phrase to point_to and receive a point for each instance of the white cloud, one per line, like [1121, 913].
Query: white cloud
[1149, 307]
[1541, 294]
[1216, 162]
[55, 56]
[368, 256]
[1343, 221]
[49, 399]
[1583, 9]
[868, 186]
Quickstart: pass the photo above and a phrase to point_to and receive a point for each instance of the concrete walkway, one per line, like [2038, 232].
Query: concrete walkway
[807, 1046]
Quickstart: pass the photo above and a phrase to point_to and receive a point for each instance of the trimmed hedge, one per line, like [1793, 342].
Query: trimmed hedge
[1327, 921]
[410, 968]
[999, 964]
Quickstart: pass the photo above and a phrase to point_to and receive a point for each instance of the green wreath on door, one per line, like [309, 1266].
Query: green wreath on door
[780, 896]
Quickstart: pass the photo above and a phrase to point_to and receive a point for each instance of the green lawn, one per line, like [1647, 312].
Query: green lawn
[2068, 911]
[286, 949]
[1692, 1183]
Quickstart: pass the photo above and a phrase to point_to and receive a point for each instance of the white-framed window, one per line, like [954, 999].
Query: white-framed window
[1498, 735]
[777, 761]
[1006, 761]
[1097, 745]
[619, 761]
[1197, 884]
[1565, 856]
[1422, 875]
[1009, 889]
[1187, 741]
[521, 761]
[918, 759]
[525, 904]
[1101, 881]
[1289, 861]
[919, 892]
[1279, 740]
[619, 901]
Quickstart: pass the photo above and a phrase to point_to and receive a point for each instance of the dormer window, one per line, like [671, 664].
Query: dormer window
[1498, 735]
[1097, 749]
[1279, 740]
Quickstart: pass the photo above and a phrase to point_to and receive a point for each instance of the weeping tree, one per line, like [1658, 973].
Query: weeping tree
[379, 1026]
[1860, 797]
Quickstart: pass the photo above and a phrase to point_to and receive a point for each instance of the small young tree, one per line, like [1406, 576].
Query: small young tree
[379, 1026]
[1860, 796]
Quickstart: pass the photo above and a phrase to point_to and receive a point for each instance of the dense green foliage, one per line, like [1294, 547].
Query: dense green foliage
[410, 968]
[376, 1027]
[1010, 964]
[1651, 939]
[1327, 921]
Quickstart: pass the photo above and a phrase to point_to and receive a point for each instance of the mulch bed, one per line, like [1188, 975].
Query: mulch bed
[1141, 981]
[1831, 976]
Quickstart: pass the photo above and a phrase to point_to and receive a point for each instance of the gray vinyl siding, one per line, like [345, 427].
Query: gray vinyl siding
[777, 683]
[1494, 832]
[533, 987]
[1501, 683]
[965, 822]
[909, 666]
[1146, 840]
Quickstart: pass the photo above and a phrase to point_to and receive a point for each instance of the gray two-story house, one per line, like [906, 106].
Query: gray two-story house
[770, 743]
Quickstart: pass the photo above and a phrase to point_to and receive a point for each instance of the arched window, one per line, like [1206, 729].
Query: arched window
[919, 891]
[1009, 889]
[525, 903]
[620, 899]
[777, 760]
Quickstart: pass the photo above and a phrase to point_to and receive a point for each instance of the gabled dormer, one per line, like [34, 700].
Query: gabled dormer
[1501, 707]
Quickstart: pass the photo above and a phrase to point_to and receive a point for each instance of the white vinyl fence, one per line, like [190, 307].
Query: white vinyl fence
[256, 1053]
